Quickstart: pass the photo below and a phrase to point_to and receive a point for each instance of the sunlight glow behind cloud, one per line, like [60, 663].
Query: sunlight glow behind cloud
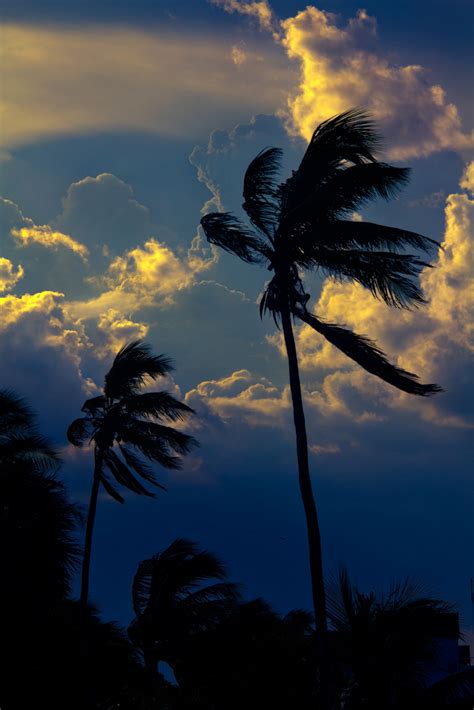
[65, 81]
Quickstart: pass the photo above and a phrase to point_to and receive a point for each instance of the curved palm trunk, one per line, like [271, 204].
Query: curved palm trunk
[90, 528]
[312, 524]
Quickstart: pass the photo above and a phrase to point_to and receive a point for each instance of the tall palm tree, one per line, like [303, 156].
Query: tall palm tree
[125, 426]
[177, 593]
[302, 224]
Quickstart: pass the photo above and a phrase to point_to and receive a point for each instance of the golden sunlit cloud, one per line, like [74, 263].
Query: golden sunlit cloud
[339, 70]
[244, 396]
[342, 67]
[8, 276]
[64, 81]
[47, 237]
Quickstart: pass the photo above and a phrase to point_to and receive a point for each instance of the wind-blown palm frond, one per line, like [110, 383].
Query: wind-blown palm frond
[347, 138]
[261, 195]
[156, 404]
[133, 364]
[346, 234]
[139, 466]
[364, 351]
[385, 274]
[123, 475]
[110, 488]
[226, 231]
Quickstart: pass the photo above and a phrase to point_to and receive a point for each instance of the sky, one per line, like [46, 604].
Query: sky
[121, 125]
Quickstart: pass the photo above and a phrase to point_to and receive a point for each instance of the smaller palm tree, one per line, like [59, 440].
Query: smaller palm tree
[126, 427]
[173, 600]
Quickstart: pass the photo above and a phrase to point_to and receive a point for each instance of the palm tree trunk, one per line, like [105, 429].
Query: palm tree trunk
[90, 528]
[312, 524]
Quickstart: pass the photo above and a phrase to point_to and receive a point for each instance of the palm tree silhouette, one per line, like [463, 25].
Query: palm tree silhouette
[301, 224]
[177, 593]
[125, 424]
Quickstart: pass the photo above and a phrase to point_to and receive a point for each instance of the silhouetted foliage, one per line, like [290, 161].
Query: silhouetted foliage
[125, 426]
[39, 552]
[70, 660]
[389, 644]
[253, 658]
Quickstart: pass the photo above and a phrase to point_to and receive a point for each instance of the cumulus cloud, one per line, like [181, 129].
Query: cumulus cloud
[242, 396]
[102, 213]
[342, 66]
[41, 350]
[49, 257]
[67, 80]
[8, 276]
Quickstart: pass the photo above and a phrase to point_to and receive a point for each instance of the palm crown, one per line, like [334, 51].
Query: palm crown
[133, 420]
[178, 592]
[303, 223]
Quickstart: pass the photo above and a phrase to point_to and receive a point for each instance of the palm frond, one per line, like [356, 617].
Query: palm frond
[156, 405]
[94, 405]
[159, 435]
[345, 234]
[349, 137]
[132, 366]
[226, 231]
[141, 586]
[139, 466]
[14, 411]
[387, 275]
[27, 445]
[152, 450]
[367, 355]
[110, 488]
[123, 475]
[340, 601]
[261, 195]
[79, 431]
[355, 186]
